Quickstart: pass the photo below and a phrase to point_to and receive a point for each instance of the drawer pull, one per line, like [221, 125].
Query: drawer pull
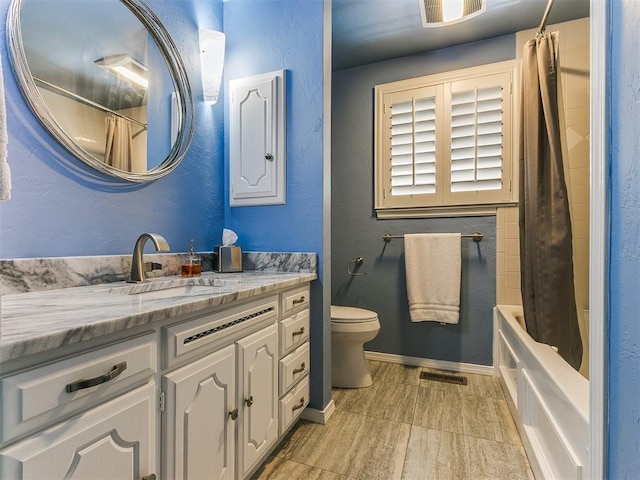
[249, 401]
[299, 300]
[151, 476]
[301, 369]
[298, 332]
[233, 414]
[92, 382]
[298, 406]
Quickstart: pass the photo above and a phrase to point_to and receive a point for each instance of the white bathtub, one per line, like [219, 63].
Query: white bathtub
[548, 398]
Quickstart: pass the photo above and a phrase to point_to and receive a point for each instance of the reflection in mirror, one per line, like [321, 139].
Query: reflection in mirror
[106, 80]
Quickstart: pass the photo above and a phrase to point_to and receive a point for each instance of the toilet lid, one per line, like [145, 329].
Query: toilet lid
[351, 314]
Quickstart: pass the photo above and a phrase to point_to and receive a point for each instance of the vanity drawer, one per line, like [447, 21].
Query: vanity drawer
[294, 331]
[202, 335]
[293, 403]
[294, 300]
[38, 397]
[293, 367]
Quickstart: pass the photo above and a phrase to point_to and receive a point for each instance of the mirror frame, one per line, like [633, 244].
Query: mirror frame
[176, 68]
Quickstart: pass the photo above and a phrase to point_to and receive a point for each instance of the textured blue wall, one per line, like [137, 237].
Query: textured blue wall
[264, 36]
[58, 210]
[357, 233]
[624, 327]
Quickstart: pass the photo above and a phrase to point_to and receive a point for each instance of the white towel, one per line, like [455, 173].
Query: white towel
[5, 173]
[432, 263]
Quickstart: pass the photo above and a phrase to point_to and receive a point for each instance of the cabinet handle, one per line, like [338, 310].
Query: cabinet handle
[92, 382]
[233, 414]
[268, 156]
[151, 476]
[249, 401]
[298, 332]
[298, 406]
[301, 369]
[299, 300]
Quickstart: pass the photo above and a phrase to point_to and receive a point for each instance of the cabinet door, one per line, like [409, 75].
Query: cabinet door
[257, 140]
[198, 438]
[114, 440]
[258, 394]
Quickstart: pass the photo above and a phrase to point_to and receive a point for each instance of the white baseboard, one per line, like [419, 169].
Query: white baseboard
[429, 363]
[319, 416]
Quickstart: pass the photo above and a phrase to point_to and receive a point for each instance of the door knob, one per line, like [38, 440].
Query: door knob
[233, 414]
[249, 401]
[268, 156]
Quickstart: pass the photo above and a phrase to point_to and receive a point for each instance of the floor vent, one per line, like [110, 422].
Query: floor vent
[442, 377]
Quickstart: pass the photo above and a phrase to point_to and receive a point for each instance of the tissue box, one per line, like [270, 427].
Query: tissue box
[227, 258]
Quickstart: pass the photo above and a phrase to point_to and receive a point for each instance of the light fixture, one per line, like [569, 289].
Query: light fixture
[125, 67]
[452, 10]
[211, 60]
[437, 13]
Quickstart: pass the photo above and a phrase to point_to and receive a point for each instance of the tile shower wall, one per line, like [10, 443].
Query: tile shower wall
[574, 67]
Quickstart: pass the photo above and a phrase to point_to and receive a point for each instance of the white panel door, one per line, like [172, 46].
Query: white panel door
[114, 440]
[258, 394]
[257, 147]
[199, 440]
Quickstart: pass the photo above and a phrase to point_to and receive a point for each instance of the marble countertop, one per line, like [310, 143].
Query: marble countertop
[39, 321]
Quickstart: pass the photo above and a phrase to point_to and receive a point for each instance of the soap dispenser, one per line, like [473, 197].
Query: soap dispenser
[191, 263]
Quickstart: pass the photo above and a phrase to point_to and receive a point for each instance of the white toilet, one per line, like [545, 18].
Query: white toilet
[350, 328]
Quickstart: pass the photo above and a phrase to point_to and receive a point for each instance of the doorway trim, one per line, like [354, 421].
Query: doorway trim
[598, 239]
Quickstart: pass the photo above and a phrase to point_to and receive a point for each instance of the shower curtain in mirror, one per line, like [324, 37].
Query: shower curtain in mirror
[546, 253]
[118, 146]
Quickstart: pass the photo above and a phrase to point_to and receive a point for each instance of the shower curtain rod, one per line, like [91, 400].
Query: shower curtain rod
[91, 103]
[545, 17]
[476, 236]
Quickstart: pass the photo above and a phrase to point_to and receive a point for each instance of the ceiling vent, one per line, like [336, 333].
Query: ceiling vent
[436, 13]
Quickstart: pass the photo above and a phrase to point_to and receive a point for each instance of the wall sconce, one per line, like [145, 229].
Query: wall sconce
[211, 61]
[125, 67]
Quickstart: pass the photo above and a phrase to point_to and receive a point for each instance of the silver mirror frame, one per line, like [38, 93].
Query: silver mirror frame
[176, 68]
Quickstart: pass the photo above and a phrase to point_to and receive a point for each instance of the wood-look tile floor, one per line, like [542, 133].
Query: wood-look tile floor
[406, 428]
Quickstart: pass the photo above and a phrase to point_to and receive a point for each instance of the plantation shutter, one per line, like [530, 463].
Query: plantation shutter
[412, 143]
[443, 143]
[479, 116]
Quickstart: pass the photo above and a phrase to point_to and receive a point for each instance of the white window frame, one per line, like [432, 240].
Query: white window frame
[444, 202]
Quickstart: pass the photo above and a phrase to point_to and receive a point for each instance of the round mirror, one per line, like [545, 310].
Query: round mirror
[106, 80]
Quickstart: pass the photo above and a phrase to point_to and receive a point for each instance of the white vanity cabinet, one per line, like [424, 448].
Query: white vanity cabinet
[221, 410]
[258, 368]
[114, 440]
[107, 438]
[200, 396]
[198, 438]
[294, 355]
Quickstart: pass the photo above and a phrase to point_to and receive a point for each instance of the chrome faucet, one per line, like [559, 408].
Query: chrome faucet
[138, 267]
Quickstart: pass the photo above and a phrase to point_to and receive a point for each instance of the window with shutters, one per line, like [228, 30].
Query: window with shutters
[444, 143]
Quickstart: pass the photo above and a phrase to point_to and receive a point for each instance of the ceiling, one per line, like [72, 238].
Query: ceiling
[368, 31]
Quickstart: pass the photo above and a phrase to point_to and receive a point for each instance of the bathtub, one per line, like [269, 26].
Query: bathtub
[549, 400]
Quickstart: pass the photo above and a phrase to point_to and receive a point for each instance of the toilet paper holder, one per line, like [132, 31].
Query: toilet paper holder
[357, 262]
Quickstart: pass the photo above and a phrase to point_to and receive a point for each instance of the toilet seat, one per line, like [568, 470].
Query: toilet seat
[341, 314]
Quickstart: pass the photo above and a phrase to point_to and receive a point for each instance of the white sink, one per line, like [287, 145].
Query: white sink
[177, 287]
[181, 291]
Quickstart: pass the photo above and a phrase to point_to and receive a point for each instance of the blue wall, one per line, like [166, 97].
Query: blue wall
[357, 233]
[57, 209]
[624, 327]
[264, 36]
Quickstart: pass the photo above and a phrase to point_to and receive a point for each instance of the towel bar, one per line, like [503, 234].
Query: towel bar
[476, 236]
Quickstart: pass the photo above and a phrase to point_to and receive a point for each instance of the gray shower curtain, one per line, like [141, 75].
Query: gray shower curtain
[546, 253]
